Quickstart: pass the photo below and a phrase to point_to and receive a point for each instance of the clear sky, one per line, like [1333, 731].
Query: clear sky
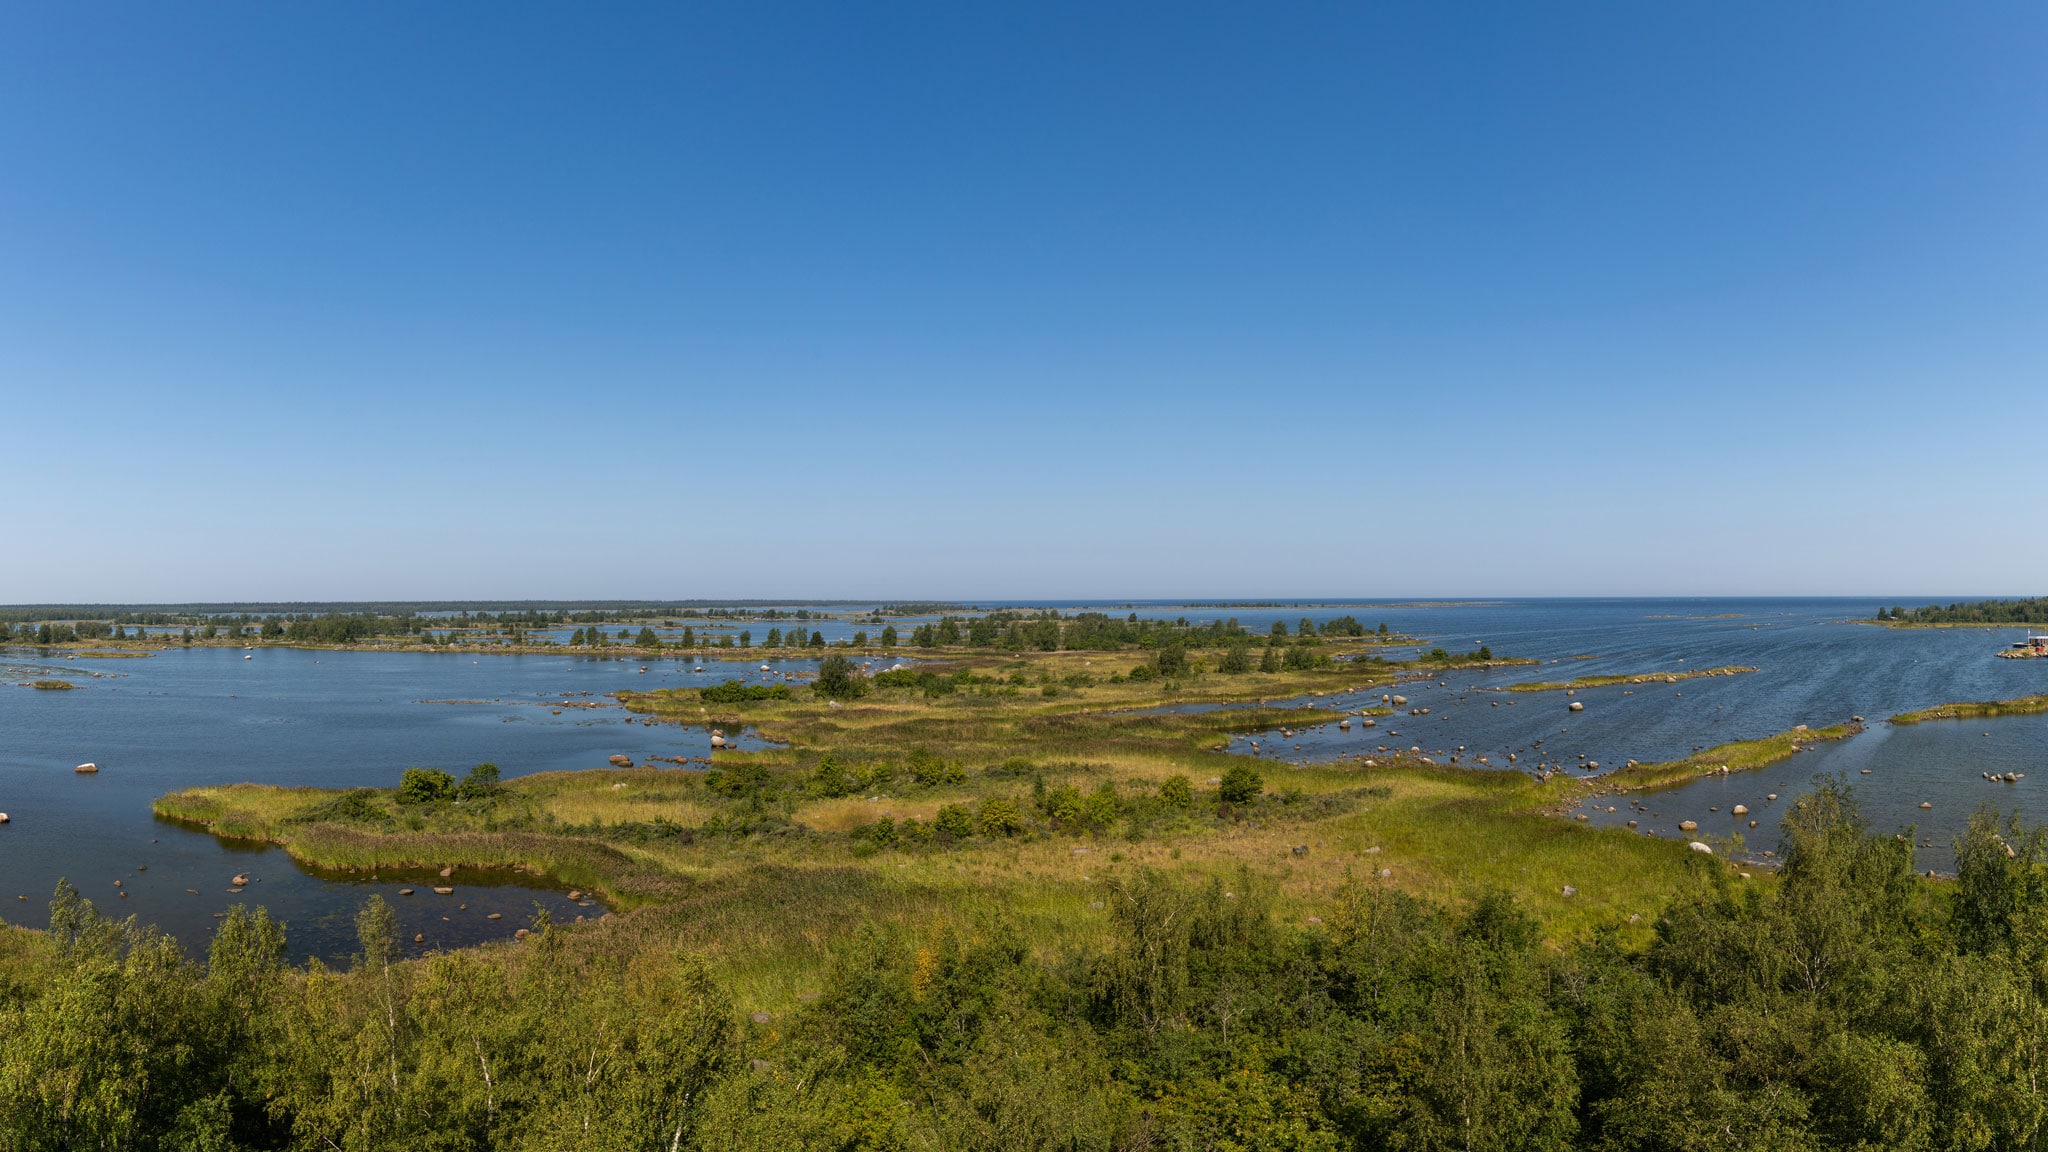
[969, 300]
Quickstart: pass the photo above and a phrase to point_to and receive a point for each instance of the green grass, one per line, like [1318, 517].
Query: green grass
[54, 685]
[1976, 710]
[1740, 756]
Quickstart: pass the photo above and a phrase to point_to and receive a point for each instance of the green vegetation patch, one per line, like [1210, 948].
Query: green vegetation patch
[1740, 756]
[1975, 710]
[53, 685]
[1644, 678]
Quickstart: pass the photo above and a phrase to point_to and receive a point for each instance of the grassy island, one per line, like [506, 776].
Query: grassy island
[1641, 678]
[53, 685]
[1975, 710]
[1968, 614]
[1739, 756]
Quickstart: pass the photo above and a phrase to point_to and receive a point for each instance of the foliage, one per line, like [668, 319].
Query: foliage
[839, 679]
[425, 786]
[479, 784]
[2028, 610]
[1846, 1005]
[1176, 791]
[738, 692]
[1241, 784]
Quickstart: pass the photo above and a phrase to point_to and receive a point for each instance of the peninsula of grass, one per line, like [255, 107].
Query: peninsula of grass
[1976, 710]
[1740, 756]
[1642, 678]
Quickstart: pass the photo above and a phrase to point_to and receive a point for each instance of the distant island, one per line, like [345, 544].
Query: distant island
[2030, 610]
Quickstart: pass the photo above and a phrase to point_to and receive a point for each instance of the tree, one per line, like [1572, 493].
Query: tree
[1241, 784]
[1173, 659]
[647, 638]
[889, 636]
[482, 781]
[425, 786]
[774, 638]
[1237, 658]
[1269, 660]
[839, 679]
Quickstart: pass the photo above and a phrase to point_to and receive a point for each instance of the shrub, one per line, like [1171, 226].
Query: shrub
[882, 832]
[739, 780]
[1236, 659]
[952, 822]
[1016, 766]
[1302, 655]
[1062, 806]
[1176, 790]
[830, 780]
[482, 781]
[1143, 673]
[1000, 817]
[1103, 806]
[839, 679]
[425, 786]
[930, 771]
[1241, 785]
[734, 692]
[356, 804]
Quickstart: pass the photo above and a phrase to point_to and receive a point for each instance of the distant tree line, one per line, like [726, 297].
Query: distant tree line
[2031, 610]
[1050, 631]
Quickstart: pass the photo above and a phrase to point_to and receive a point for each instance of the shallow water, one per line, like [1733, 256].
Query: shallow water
[1815, 666]
[182, 718]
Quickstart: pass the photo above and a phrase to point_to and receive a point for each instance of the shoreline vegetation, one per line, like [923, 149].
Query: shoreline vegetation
[1975, 710]
[1636, 678]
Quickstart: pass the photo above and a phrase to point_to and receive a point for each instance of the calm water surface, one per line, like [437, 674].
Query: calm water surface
[181, 718]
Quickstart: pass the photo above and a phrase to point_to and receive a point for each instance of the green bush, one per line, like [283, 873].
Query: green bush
[953, 822]
[930, 771]
[482, 781]
[425, 786]
[999, 817]
[838, 679]
[735, 692]
[1241, 784]
[1175, 790]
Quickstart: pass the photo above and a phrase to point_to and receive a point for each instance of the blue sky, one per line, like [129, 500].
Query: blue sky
[375, 300]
